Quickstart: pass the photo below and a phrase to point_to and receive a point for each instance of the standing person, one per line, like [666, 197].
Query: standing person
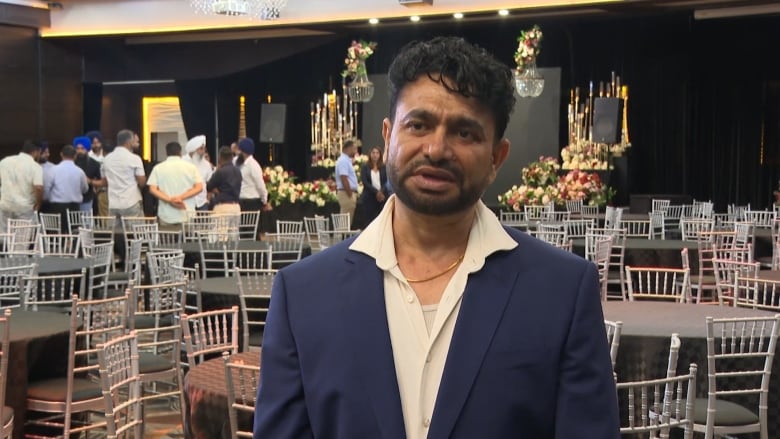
[48, 167]
[176, 183]
[123, 171]
[225, 184]
[66, 187]
[21, 185]
[98, 153]
[346, 180]
[373, 175]
[254, 195]
[91, 168]
[196, 154]
[438, 321]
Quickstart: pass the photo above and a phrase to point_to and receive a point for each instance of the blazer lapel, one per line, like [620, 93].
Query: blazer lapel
[483, 303]
[365, 324]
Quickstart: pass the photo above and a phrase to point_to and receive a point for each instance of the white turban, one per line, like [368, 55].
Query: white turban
[195, 143]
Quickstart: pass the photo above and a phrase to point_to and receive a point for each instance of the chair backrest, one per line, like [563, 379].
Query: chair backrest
[210, 332]
[744, 233]
[76, 220]
[512, 219]
[6, 243]
[11, 286]
[577, 228]
[87, 240]
[553, 234]
[341, 221]
[614, 329]
[692, 228]
[248, 224]
[659, 205]
[761, 219]
[59, 245]
[312, 225]
[50, 223]
[146, 232]
[601, 257]
[656, 406]
[286, 248]
[743, 347]
[574, 206]
[286, 227]
[328, 238]
[166, 240]
[658, 283]
[657, 225]
[590, 212]
[156, 310]
[242, 381]
[5, 342]
[217, 253]
[612, 217]
[192, 290]
[103, 227]
[55, 290]
[121, 386]
[756, 293]
[25, 238]
[726, 272]
[594, 235]
[636, 228]
[160, 265]
[100, 256]
[536, 213]
[254, 292]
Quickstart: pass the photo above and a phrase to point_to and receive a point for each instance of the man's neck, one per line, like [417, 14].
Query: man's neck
[430, 233]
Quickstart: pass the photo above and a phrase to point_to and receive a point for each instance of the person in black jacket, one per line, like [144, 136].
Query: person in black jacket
[374, 178]
[91, 168]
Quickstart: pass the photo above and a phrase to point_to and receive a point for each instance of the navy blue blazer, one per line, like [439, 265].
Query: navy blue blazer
[528, 358]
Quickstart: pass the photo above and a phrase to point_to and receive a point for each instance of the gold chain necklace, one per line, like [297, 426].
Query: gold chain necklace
[446, 270]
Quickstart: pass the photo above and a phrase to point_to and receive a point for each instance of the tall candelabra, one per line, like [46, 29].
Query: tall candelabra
[582, 145]
[333, 122]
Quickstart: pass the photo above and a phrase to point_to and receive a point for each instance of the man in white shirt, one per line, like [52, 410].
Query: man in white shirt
[437, 322]
[176, 184]
[346, 180]
[124, 172]
[195, 152]
[254, 195]
[21, 185]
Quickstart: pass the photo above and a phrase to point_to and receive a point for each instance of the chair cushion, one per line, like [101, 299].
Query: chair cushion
[149, 363]
[55, 389]
[726, 413]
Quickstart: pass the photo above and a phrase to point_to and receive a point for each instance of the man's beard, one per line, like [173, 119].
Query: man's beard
[433, 204]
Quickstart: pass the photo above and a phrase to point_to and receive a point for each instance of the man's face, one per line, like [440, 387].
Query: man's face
[135, 143]
[200, 152]
[351, 151]
[43, 156]
[97, 145]
[80, 150]
[441, 151]
[234, 148]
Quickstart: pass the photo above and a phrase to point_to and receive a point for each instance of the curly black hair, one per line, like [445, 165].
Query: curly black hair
[470, 71]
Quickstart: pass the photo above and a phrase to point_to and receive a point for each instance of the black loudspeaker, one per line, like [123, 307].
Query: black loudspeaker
[607, 120]
[272, 118]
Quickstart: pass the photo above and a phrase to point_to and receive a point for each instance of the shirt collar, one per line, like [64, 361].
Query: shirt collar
[487, 236]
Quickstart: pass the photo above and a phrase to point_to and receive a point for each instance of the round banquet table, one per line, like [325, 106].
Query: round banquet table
[38, 350]
[60, 264]
[644, 344]
[642, 252]
[205, 395]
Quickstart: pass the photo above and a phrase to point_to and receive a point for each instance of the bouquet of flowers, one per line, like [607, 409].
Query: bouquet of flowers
[529, 45]
[282, 188]
[579, 185]
[543, 172]
[585, 156]
[357, 54]
[519, 196]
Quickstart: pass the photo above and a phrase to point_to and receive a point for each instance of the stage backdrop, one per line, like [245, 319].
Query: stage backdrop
[532, 131]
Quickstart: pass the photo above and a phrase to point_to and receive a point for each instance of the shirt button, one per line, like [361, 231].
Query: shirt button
[410, 298]
[427, 422]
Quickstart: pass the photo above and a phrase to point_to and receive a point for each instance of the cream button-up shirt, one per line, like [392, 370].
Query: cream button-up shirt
[420, 354]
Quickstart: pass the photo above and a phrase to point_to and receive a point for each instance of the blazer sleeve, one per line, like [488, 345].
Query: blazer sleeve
[587, 399]
[280, 410]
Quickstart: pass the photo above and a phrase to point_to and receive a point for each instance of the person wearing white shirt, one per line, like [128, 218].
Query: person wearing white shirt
[254, 195]
[124, 172]
[21, 185]
[195, 153]
[176, 183]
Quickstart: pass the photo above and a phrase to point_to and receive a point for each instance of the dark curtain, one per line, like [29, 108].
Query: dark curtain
[93, 103]
[196, 100]
[228, 116]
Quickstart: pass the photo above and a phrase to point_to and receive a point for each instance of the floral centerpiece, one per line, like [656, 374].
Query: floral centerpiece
[357, 54]
[282, 188]
[542, 185]
[529, 45]
[585, 155]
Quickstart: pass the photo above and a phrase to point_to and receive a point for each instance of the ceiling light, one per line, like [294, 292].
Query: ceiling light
[458, 15]
[415, 18]
[373, 20]
[503, 12]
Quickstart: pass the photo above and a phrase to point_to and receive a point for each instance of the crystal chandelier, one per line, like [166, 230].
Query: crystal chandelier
[529, 83]
[262, 9]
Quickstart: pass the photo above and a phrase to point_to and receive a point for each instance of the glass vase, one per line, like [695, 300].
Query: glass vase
[360, 89]
[529, 82]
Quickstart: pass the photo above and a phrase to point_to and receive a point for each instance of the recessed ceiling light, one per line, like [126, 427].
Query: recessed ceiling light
[415, 18]
[503, 12]
[458, 15]
[373, 20]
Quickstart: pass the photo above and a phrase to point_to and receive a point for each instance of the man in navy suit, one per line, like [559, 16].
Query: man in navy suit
[437, 322]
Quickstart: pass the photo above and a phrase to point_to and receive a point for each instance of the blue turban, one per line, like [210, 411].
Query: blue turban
[83, 141]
